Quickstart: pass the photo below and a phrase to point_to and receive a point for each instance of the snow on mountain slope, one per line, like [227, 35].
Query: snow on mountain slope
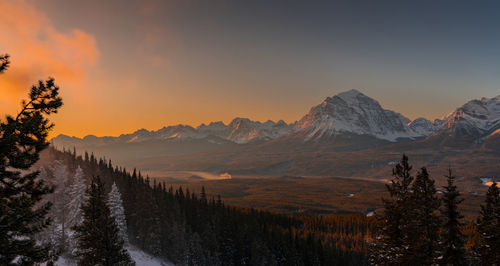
[479, 118]
[240, 130]
[245, 130]
[423, 127]
[347, 112]
[354, 112]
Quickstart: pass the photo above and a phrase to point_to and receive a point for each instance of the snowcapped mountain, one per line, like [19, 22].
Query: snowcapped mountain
[245, 130]
[478, 118]
[424, 127]
[240, 130]
[354, 112]
[349, 112]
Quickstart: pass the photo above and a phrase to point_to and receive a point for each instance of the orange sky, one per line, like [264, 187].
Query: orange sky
[126, 65]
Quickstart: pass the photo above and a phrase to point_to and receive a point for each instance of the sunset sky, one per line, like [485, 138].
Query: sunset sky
[125, 65]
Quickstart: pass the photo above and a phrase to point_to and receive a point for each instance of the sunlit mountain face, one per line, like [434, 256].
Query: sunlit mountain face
[324, 141]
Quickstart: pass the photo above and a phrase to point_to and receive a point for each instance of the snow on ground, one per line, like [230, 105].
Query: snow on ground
[143, 259]
[139, 256]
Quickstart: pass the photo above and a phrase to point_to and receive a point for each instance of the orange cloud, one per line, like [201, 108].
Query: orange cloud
[38, 50]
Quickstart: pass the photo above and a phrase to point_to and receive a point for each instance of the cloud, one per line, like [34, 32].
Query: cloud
[38, 50]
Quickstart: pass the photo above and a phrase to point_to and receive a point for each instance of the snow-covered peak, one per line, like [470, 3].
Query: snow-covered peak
[476, 117]
[351, 95]
[423, 127]
[244, 130]
[354, 112]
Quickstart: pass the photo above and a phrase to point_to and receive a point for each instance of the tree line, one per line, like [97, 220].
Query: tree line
[187, 228]
[417, 227]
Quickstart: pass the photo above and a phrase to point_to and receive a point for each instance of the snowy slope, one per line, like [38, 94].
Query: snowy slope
[423, 127]
[478, 118]
[140, 258]
[356, 113]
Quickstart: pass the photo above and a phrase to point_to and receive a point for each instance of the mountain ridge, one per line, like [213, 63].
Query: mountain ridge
[347, 112]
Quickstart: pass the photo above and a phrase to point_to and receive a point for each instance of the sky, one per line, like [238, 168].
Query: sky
[126, 65]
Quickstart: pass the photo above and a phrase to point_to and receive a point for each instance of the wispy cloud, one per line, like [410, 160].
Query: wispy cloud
[39, 50]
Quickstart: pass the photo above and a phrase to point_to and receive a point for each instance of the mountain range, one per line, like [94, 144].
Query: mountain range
[349, 112]
[349, 134]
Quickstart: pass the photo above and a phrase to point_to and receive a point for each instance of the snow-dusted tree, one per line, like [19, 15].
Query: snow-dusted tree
[78, 197]
[22, 138]
[97, 235]
[117, 212]
[60, 198]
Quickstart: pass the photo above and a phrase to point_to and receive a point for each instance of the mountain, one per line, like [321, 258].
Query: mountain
[349, 112]
[349, 134]
[424, 127]
[471, 124]
[354, 112]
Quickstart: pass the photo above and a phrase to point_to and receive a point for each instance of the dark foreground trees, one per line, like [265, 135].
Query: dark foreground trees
[22, 137]
[488, 226]
[390, 245]
[452, 239]
[99, 242]
[189, 229]
[410, 225]
[413, 230]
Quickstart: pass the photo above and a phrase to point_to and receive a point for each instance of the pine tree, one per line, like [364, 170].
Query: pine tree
[4, 62]
[423, 229]
[389, 247]
[78, 197]
[117, 212]
[488, 226]
[59, 199]
[452, 239]
[22, 138]
[98, 235]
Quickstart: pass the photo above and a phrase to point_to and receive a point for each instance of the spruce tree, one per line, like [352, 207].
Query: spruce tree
[115, 205]
[452, 239]
[60, 198]
[488, 226]
[424, 223]
[98, 237]
[78, 196]
[390, 243]
[22, 138]
[4, 62]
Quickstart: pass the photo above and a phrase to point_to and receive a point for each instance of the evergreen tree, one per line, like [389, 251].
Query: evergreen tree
[424, 221]
[390, 243]
[452, 239]
[98, 235]
[78, 197]
[488, 226]
[22, 138]
[60, 198]
[4, 62]
[115, 205]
